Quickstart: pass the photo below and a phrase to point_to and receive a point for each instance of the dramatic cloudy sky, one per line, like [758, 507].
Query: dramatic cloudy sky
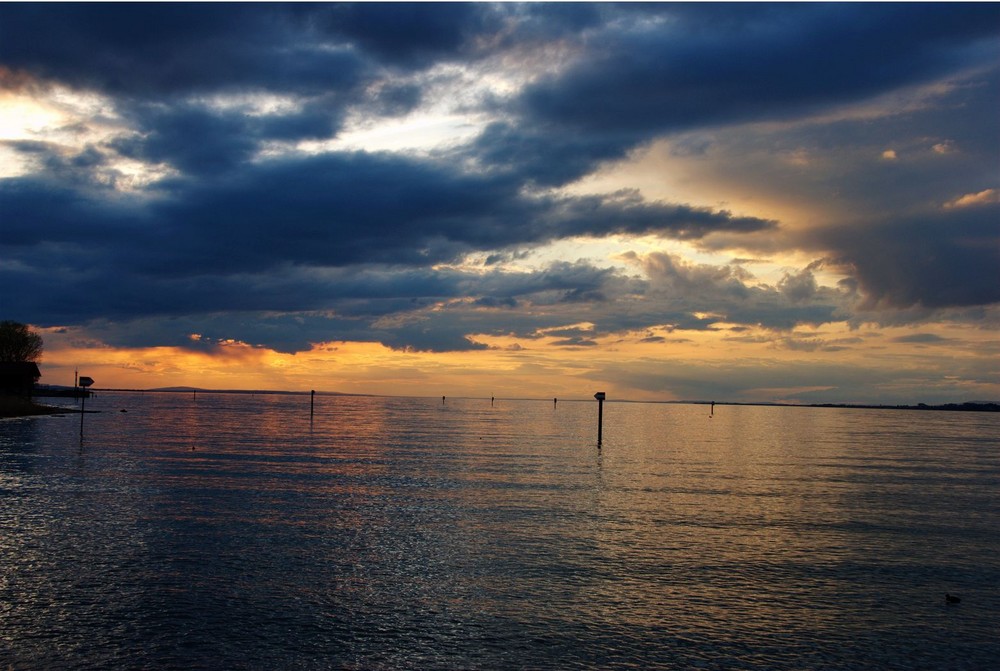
[699, 201]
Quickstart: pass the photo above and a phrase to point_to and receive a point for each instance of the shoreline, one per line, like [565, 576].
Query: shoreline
[17, 406]
[12, 406]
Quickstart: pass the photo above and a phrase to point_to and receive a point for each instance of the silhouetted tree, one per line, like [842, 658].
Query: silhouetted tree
[18, 343]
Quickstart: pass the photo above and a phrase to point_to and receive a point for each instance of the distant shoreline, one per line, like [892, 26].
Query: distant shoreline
[968, 406]
[18, 406]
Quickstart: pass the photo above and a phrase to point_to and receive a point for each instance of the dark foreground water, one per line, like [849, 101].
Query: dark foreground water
[231, 532]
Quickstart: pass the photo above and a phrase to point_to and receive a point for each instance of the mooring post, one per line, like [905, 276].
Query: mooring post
[312, 403]
[600, 396]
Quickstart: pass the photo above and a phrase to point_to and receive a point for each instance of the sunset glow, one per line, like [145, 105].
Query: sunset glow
[508, 200]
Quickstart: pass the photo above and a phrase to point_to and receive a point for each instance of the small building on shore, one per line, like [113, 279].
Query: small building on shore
[18, 377]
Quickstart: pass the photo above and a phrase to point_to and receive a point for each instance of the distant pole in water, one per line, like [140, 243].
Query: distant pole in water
[442, 400]
[492, 398]
[312, 403]
[600, 396]
[554, 401]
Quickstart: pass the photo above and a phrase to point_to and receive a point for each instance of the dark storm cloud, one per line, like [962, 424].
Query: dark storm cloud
[439, 335]
[137, 269]
[201, 141]
[759, 65]
[899, 233]
[334, 210]
[194, 140]
[726, 64]
[950, 258]
[232, 232]
[337, 210]
[150, 50]
[541, 156]
[42, 214]
[408, 34]
[289, 310]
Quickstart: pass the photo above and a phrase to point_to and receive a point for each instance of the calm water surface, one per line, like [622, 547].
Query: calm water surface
[233, 532]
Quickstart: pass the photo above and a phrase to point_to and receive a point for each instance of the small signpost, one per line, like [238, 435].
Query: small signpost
[84, 382]
[600, 396]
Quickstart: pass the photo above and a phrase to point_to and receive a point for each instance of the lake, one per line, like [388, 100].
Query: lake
[231, 531]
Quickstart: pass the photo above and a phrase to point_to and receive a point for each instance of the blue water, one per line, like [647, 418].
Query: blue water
[234, 532]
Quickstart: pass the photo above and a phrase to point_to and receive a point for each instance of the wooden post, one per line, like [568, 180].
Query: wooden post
[85, 382]
[600, 396]
[312, 403]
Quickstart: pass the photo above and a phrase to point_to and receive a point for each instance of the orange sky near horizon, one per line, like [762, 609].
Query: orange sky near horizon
[513, 368]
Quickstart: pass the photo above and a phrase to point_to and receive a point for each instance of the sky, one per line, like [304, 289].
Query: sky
[731, 202]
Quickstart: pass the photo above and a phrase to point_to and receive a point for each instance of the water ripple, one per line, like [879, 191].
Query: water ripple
[232, 532]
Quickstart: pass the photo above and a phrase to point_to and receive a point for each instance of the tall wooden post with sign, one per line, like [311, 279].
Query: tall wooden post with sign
[84, 382]
[600, 396]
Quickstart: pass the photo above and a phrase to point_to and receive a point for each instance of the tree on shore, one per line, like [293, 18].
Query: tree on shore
[18, 343]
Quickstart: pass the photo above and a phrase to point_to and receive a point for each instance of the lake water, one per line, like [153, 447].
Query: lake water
[232, 532]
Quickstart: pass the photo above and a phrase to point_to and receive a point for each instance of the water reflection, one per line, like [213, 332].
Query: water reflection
[406, 533]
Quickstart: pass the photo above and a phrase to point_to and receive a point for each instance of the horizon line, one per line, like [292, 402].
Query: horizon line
[887, 406]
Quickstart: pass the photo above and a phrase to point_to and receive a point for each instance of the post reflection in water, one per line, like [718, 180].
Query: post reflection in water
[358, 532]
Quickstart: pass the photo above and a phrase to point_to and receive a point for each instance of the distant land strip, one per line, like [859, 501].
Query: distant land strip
[968, 406]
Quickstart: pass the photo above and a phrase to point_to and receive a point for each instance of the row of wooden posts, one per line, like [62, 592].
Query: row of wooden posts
[600, 396]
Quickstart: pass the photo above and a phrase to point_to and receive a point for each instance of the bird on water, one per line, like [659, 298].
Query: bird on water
[952, 599]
